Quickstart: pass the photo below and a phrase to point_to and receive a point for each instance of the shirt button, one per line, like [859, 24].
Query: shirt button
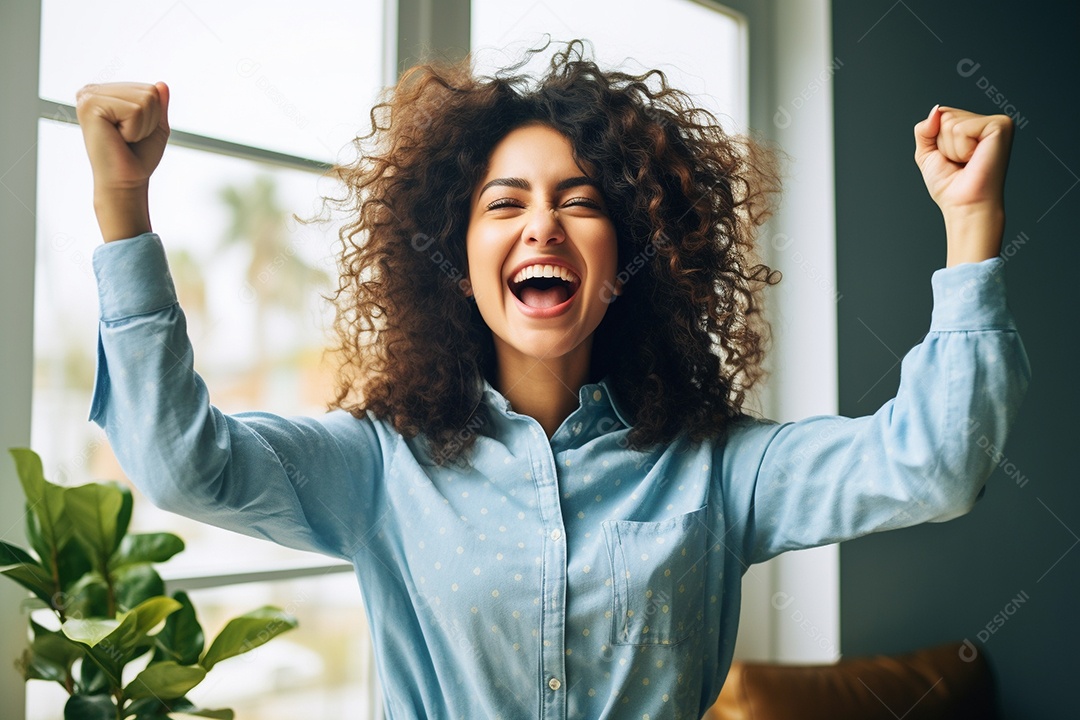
[555, 534]
[554, 683]
[596, 395]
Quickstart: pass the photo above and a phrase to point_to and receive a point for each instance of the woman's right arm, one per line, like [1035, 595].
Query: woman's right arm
[309, 483]
[125, 127]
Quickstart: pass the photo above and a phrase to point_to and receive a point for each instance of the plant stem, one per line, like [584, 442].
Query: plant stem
[110, 593]
[54, 554]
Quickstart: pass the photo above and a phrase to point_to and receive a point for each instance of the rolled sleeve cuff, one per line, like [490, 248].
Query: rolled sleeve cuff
[970, 296]
[133, 277]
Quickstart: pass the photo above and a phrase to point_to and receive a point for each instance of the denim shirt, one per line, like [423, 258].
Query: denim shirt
[563, 578]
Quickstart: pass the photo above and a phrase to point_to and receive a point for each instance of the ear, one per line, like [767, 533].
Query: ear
[466, 287]
[618, 287]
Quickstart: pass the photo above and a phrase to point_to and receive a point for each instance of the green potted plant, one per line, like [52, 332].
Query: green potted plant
[110, 607]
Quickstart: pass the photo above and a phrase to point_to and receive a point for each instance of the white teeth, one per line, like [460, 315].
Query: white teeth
[544, 271]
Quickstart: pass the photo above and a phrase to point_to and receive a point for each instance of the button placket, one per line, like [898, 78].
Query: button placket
[553, 572]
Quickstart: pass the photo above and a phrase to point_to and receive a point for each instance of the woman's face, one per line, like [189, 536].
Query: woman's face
[541, 248]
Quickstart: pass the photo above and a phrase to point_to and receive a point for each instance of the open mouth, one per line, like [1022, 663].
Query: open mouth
[544, 286]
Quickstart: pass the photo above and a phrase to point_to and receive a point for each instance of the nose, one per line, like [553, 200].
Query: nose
[544, 227]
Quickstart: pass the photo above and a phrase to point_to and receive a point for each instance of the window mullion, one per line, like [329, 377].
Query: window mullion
[428, 30]
[202, 581]
[60, 112]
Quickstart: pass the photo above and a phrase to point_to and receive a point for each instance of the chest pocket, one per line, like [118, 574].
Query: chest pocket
[658, 578]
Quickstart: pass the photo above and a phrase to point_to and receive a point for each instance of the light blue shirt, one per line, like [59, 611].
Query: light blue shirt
[570, 578]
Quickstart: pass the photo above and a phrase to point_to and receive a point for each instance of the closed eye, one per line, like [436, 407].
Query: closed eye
[586, 202]
[503, 202]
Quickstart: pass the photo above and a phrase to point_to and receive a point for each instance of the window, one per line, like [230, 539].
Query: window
[707, 60]
[260, 113]
[323, 669]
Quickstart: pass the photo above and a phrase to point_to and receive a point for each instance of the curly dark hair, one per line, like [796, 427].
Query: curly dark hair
[681, 345]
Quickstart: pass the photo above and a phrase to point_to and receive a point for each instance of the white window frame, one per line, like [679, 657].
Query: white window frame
[791, 604]
[20, 30]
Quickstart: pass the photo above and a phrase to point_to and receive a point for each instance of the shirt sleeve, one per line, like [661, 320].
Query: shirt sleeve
[924, 456]
[308, 483]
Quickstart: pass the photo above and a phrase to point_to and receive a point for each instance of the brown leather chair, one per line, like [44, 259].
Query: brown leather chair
[945, 682]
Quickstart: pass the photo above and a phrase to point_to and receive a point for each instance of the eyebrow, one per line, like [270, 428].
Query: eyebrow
[523, 184]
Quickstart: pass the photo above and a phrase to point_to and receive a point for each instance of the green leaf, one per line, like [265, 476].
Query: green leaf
[90, 707]
[93, 510]
[92, 679]
[54, 644]
[165, 680]
[88, 598]
[218, 714]
[72, 565]
[184, 708]
[135, 584]
[114, 643]
[149, 708]
[153, 611]
[32, 667]
[123, 518]
[246, 633]
[182, 637]
[90, 632]
[146, 547]
[156, 709]
[45, 500]
[31, 474]
[33, 577]
[15, 555]
[35, 536]
[110, 642]
[50, 655]
[21, 567]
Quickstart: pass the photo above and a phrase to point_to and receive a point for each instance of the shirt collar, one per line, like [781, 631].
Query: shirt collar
[595, 394]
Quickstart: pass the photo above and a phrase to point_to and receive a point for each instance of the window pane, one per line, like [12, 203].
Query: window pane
[294, 77]
[255, 315]
[319, 671]
[700, 49]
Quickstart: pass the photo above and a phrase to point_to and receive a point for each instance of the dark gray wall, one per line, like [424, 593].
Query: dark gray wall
[935, 583]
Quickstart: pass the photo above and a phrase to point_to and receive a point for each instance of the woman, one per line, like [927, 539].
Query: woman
[538, 461]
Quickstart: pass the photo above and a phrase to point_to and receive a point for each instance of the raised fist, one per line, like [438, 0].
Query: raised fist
[963, 157]
[125, 127]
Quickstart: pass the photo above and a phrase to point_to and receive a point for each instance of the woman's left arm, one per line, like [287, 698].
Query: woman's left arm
[923, 456]
[926, 454]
